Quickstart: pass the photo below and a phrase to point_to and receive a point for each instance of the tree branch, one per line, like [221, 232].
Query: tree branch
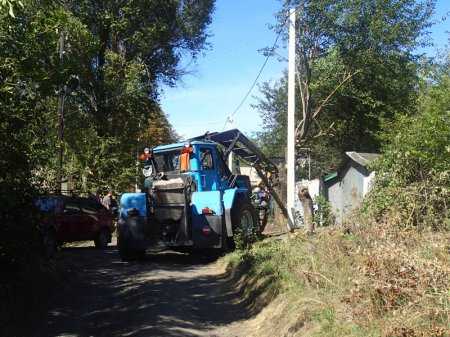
[325, 101]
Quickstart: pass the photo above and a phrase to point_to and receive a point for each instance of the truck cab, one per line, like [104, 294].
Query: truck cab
[190, 200]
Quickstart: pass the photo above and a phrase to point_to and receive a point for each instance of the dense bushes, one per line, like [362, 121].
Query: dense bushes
[413, 175]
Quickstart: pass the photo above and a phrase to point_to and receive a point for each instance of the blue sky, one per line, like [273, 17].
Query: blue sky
[220, 78]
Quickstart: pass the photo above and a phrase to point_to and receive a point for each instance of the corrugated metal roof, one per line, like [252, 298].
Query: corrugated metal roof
[362, 158]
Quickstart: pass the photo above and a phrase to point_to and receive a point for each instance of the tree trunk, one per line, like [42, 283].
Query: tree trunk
[308, 210]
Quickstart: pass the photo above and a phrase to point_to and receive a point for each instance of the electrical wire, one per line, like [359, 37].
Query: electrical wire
[230, 116]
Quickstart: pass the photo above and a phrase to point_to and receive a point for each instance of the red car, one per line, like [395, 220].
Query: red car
[69, 219]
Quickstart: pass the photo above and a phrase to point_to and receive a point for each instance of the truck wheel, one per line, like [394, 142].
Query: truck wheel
[126, 253]
[246, 225]
[102, 239]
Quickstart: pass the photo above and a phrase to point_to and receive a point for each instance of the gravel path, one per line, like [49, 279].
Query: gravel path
[167, 294]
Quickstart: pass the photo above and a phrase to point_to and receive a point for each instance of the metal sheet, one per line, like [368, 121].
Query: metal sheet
[210, 199]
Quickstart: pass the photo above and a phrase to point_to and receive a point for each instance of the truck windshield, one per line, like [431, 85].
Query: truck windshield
[167, 161]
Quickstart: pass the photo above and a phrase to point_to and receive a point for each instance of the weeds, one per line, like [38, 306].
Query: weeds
[324, 215]
[376, 281]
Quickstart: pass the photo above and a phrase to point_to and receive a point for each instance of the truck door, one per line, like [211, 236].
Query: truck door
[223, 172]
[209, 180]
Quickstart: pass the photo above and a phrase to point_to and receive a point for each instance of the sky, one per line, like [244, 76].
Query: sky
[221, 77]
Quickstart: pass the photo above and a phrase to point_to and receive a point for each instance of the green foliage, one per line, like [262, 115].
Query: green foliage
[413, 175]
[324, 215]
[9, 6]
[273, 111]
[245, 238]
[120, 53]
[375, 41]
[417, 146]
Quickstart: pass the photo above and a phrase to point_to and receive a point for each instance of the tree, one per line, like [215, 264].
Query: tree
[121, 51]
[137, 45]
[149, 37]
[356, 67]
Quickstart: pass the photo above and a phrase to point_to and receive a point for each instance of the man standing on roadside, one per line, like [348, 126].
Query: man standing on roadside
[108, 201]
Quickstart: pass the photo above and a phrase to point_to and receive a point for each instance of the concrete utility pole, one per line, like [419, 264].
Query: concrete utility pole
[290, 160]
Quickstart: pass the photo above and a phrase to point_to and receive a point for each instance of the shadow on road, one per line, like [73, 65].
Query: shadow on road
[167, 294]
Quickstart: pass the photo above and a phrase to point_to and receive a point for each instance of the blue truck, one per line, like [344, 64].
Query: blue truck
[190, 199]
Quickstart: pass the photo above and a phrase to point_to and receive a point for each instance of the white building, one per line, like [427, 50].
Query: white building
[346, 188]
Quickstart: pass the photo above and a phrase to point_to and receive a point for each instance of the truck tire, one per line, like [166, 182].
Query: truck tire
[245, 224]
[102, 240]
[126, 253]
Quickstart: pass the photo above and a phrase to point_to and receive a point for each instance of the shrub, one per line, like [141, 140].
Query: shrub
[412, 187]
[324, 216]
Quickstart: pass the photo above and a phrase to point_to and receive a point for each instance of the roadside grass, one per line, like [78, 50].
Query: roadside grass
[373, 280]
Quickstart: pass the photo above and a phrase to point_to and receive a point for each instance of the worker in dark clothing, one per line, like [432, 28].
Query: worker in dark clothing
[109, 201]
[96, 197]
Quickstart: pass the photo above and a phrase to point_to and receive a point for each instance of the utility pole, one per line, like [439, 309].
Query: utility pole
[290, 160]
[61, 98]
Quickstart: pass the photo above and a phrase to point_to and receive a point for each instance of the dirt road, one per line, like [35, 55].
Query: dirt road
[168, 294]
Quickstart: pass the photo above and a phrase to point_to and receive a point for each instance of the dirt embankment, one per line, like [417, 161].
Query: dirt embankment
[378, 281]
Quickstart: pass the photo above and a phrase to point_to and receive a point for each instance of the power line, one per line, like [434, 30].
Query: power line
[229, 117]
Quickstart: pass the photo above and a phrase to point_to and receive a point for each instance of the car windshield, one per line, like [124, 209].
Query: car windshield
[167, 161]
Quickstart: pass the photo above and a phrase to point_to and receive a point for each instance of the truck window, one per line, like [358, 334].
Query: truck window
[206, 159]
[222, 168]
[167, 161]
